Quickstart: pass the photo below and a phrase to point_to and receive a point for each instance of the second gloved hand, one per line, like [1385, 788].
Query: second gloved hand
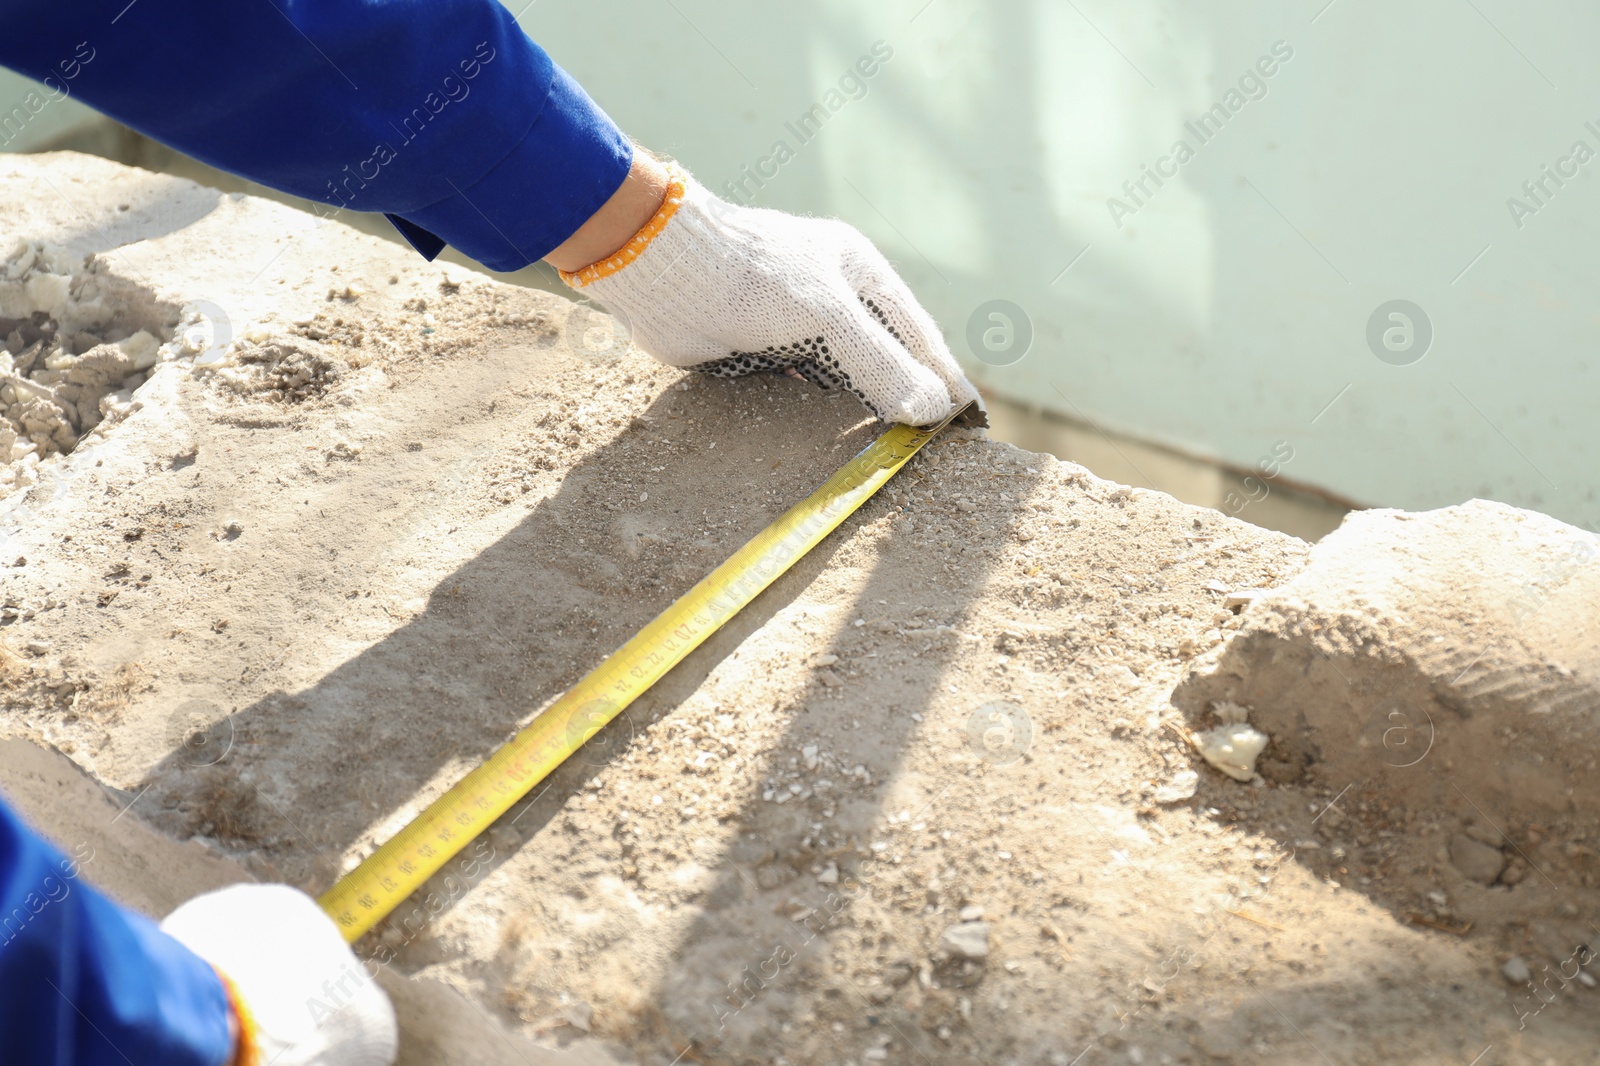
[730, 290]
[302, 996]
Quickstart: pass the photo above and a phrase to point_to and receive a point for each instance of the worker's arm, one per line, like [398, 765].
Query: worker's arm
[440, 113]
[85, 981]
[88, 982]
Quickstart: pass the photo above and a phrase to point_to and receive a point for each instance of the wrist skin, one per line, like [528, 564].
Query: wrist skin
[635, 203]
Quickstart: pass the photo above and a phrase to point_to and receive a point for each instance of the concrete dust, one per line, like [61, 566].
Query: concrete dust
[77, 343]
[932, 798]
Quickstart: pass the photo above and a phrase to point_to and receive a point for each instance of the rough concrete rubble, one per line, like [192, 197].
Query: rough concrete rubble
[936, 797]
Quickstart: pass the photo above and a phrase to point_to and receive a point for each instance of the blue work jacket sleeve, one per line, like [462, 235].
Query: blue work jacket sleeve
[441, 114]
[88, 982]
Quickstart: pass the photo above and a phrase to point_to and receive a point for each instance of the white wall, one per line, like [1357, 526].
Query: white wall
[31, 117]
[1226, 313]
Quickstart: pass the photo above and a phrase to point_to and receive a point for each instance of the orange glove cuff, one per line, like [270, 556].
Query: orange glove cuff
[244, 1025]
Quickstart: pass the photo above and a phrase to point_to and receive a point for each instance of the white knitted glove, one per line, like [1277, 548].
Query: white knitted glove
[302, 994]
[731, 290]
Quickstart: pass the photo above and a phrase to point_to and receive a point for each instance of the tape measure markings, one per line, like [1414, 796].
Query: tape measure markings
[380, 883]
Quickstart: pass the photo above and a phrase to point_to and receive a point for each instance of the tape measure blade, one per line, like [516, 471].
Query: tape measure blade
[380, 883]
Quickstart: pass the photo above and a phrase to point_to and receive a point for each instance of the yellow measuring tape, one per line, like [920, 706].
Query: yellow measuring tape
[366, 895]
